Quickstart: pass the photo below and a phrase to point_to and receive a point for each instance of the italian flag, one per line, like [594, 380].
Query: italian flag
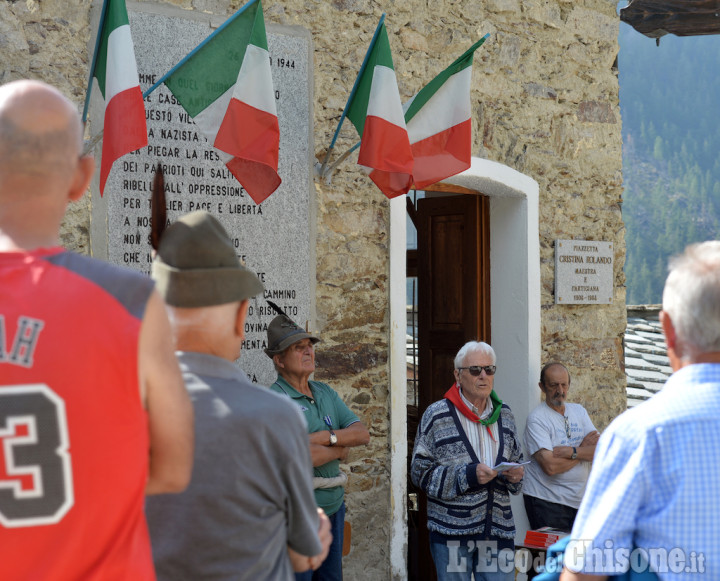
[226, 86]
[376, 112]
[116, 73]
[439, 123]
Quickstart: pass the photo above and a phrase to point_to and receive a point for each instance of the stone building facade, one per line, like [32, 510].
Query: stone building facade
[545, 104]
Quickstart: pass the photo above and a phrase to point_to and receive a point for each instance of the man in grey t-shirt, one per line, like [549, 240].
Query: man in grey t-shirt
[560, 439]
[249, 512]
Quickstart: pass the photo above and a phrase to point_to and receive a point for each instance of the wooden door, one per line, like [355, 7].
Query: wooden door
[453, 286]
[453, 307]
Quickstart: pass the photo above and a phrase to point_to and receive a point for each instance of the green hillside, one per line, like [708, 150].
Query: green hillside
[669, 100]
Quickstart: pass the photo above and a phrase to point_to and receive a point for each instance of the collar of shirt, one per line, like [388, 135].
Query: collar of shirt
[292, 392]
[210, 365]
[486, 412]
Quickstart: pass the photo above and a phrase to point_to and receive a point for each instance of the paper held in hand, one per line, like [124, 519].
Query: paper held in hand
[507, 465]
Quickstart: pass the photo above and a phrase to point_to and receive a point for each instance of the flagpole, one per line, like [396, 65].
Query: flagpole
[411, 107]
[352, 94]
[198, 47]
[342, 158]
[345, 155]
[473, 48]
[94, 60]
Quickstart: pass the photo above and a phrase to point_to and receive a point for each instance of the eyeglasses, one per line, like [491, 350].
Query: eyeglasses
[567, 427]
[476, 370]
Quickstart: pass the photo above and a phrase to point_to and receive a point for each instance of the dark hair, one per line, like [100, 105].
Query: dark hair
[548, 366]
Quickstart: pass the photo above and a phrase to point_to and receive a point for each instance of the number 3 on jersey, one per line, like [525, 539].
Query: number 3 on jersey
[36, 485]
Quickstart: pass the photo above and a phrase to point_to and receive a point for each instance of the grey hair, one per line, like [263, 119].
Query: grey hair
[692, 298]
[474, 347]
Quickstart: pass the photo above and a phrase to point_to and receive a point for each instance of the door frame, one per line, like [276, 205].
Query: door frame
[515, 320]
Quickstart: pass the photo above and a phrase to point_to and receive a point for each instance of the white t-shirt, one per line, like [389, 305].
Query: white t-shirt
[545, 428]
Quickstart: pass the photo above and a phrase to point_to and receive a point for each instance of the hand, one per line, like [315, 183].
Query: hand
[562, 452]
[300, 563]
[321, 438]
[484, 473]
[514, 475]
[342, 453]
[591, 439]
[325, 537]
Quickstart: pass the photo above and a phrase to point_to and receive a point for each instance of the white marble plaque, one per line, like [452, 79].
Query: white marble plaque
[275, 239]
[583, 272]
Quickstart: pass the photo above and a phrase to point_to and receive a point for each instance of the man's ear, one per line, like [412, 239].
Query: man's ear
[240, 318]
[276, 360]
[668, 330]
[81, 180]
[671, 340]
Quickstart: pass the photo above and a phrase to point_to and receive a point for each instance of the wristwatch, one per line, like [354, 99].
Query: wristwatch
[574, 454]
[333, 438]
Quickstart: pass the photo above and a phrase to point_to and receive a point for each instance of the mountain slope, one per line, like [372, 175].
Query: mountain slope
[669, 101]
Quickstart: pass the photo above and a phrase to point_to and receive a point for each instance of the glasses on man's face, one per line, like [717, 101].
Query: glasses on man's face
[567, 427]
[476, 370]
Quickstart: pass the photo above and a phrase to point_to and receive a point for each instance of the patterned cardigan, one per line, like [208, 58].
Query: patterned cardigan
[444, 467]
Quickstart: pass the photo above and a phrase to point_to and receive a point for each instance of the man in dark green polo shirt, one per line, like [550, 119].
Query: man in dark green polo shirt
[333, 429]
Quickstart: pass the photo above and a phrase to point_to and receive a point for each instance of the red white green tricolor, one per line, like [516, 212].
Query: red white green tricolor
[376, 112]
[439, 123]
[225, 85]
[116, 73]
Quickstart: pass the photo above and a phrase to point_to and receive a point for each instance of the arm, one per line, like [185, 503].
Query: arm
[355, 434]
[553, 465]
[170, 412]
[437, 480]
[585, 452]
[307, 531]
[302, 563]
[321, 454]
[618, 493]
[512, 478]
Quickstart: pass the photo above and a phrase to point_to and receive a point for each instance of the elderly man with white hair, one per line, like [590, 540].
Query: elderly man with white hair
[655, 482]
[461, 442]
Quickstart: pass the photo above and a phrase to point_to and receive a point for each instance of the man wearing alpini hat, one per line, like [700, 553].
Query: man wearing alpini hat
[249, 511]
[333, 429]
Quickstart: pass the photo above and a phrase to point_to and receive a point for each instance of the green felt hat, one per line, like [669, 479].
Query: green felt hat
[196, 265]
[283, 332]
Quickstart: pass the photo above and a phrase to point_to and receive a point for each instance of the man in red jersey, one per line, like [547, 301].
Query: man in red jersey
[93, 411]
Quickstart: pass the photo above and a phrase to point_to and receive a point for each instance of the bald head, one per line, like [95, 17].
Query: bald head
[40, 131]
[41, 168]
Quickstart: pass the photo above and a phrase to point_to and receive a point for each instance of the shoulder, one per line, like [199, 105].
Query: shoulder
[130, 288]
[436, 411]
[324, 388]
[506, 416]
[506, 411]
[539, 419]
[277, 388]
[274, 409]
[441, 406]
[632, 426]
[95, 269]
[576, 408]
[538, 413]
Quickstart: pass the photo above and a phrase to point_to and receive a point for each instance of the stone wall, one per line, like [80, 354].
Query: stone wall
[545, 95]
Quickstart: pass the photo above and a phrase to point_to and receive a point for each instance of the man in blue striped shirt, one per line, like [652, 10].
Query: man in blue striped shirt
[654, 487]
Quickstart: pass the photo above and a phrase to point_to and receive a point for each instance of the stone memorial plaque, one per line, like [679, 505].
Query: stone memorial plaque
[275, 239]
[583, 272]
